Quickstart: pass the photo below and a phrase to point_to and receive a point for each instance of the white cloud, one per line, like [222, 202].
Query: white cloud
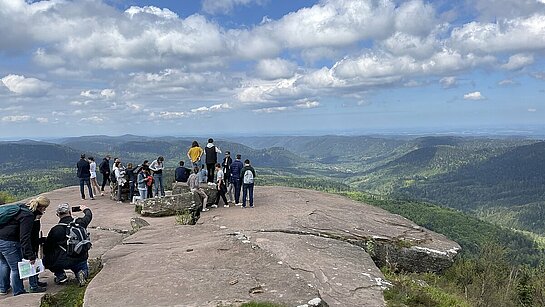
[227, 6]
[98, 94]
[270, 69]
[448, 82]
[42, 120]
[214, 108]
[474, 96]
[151, 10]
[507, 82]
[23, 86]
[91, 119]
[518, 61]
[532, 110]
[16, 118]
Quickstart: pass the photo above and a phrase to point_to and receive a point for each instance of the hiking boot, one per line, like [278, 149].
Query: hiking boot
[61, 280]
[37, 289]
[42, 284]
[5, 292]
[82, 280]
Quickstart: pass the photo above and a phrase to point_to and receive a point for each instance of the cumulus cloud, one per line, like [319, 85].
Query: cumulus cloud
[214, 108]
[474, 96]
[91, 119]
[448, 82]
[24, 86]
[227, 6]
[269, 69]
[16, 118]
[99, 94]
[518, 61]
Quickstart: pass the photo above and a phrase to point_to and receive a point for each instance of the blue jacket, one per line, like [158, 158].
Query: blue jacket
[236, 168]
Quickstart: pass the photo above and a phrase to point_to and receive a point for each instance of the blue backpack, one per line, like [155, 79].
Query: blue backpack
[8, 212]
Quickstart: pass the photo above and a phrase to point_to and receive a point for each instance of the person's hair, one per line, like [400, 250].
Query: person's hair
[145, 162]
[161, 159]
[82, 156]
[117, 163]
[91, 159]
[129, 165]
[218, 165]
[196, 169]
[228, 153]
[210, 140]
[246, 161]
[181, 163]
[194, 144]
[239, 156]
[108, 157]
[40, 201]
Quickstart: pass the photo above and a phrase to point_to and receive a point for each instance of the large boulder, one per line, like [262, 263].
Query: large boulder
[170, 205]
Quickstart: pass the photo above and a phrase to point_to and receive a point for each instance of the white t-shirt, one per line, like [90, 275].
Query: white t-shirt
[93, 169]
[219, 176]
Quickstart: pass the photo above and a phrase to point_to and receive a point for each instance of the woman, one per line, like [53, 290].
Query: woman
[94, 182]
[16, 244]
[195, 153]
[157, 167]
[132, 180]
[142, 182]
[120, 178]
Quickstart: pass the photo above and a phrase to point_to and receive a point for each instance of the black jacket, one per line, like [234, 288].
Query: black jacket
[54, 256]
[226, 164]
[19, 229]
[104, 166]
[84, 169]
[181, 174]
[211, 155]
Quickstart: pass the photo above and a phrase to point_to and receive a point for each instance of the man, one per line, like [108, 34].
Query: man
[104, 169]
[56, 257]
[181, 173]
[16, 244]
[84, 175]
[194, 186]
[247, 175]
[226, 165]
[157, 167]
[236, 168]
[211, 158]
[220, 184]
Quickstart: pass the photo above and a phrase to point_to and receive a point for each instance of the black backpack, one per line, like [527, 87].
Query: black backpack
[78, 240]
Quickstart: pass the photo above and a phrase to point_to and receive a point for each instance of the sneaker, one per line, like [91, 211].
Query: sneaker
[83, 199]
[251, 206]
[42, 284]
[119, 202]
[92, 198]
[243, 207]
[214, 206]
[225, 206]
[238, 204]
[205, 209]
[102, 194]
[61, 280]
[5, 292]
[82, 280]
[37, 289]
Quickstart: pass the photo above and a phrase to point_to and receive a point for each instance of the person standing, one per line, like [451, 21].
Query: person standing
[132, 180]
[104, 169]
[247, 175]
[236, 168]
[211, 158]
[56, 258]
[220, 184]
[157, 167]
[119, 172]
[16, 244]
[93, 170]
[195, 153]
[181, 173]
[226, 167]
[195, 187]
[142, 182]
[84, 175]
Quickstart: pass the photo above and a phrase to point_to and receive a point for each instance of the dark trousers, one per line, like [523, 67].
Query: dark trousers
[105, 180]
[248, 189]
[131, 190]
[210, 167]
[85, 181]
[221, 193]
[237, 184]
[150, 191]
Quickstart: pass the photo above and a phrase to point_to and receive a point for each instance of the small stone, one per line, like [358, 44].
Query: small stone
[280, 262]
[315, 302]
[233, 282]
[189, 250]
[223, 227]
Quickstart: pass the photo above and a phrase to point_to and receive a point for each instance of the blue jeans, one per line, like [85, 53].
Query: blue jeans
[85, 181]
[248, 188]
[159, 182]
[81, 266]
[237, 184]
[10, 254]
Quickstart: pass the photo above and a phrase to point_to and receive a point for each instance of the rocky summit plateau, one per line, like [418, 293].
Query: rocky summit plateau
[296, 247]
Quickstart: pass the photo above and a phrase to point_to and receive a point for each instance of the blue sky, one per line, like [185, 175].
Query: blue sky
[220, 67]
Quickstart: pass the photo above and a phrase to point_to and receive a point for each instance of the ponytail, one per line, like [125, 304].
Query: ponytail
[40, 201]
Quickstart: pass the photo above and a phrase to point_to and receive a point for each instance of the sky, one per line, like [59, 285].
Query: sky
[256, 67]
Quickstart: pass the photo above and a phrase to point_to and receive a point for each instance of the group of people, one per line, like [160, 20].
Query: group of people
[20, 239]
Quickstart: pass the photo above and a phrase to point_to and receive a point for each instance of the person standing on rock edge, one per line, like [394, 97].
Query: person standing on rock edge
[220, 184]
[211, 158]
[195, 187]
[16, 244]
[247, 175]
[56, 258]
[195, 153]
[93, 170]
[157, 167]
[226, 166]
[84, 175]
[236, 168]
[104, 169]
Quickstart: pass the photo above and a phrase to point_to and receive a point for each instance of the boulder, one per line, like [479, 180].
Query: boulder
[137, 223]
[170, 205]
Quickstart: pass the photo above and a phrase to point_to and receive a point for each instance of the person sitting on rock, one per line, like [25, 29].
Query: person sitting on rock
[56, 257]
[194, 186]
[181, 173]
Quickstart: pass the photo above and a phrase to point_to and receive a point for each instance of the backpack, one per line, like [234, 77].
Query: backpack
[7, 212]
[248, 177]
[78, 240]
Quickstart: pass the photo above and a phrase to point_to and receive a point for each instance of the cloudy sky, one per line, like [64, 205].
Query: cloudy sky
[222, 67]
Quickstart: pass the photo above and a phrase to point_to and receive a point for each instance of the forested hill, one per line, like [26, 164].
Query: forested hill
[25, 155]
